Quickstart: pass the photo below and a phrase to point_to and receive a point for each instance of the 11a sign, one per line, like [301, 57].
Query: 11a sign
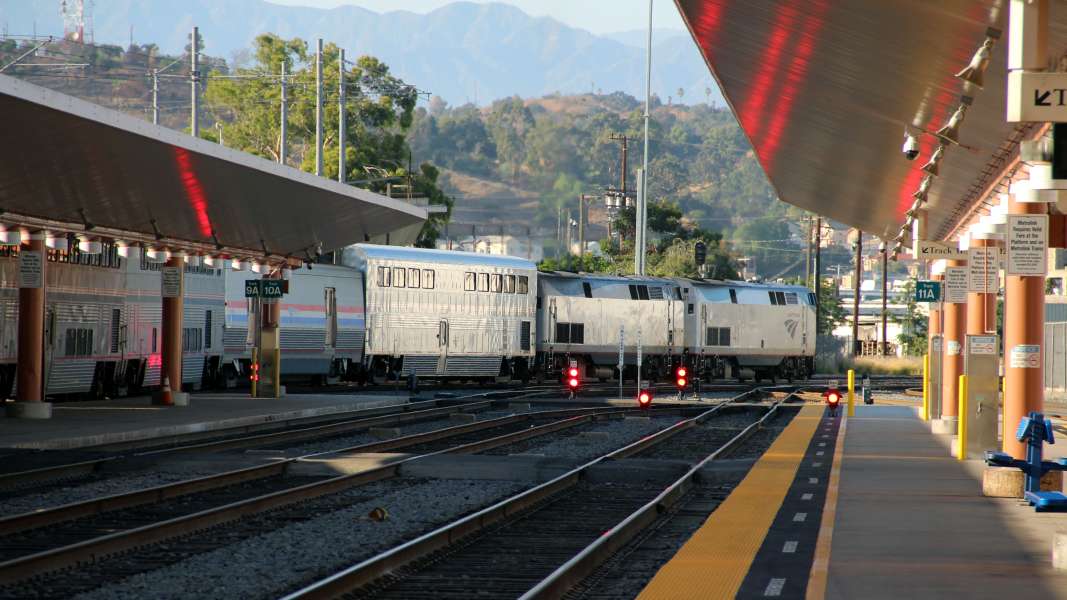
[928, 291]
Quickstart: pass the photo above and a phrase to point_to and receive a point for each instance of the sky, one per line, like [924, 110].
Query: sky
[597, 16]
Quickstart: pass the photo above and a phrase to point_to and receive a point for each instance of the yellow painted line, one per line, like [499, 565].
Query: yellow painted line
[820, 566]
[715, 561]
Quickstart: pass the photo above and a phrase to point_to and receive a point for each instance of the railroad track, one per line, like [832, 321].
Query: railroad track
[541, 542]
[56, 539]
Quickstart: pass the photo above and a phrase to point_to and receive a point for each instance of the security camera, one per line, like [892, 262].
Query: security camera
[911, 147]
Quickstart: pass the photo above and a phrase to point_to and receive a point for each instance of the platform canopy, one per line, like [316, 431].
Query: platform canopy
[824, 91]
[72, 165]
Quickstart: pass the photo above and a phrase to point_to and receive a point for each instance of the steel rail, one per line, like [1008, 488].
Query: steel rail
[372, 569]
[585, 563]
[25, 567]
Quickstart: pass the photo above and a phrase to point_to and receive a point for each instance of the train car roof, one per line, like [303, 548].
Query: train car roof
[607, 277]
[454, 257]
[743, 284]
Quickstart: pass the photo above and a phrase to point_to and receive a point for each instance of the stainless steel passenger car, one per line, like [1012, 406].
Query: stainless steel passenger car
[446, 314]
[103, 323]
[736, 329]
[583, 316]
[322, 326]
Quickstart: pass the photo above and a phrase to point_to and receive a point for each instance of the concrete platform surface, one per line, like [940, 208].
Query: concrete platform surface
[82, 424]
[911, 522]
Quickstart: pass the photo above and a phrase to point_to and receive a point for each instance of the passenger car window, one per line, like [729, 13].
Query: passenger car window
[427, 279]
[509, 284]
[483, 282]
[385, 276]
[495, 283]
[399, 276]
[524, 284]
[413, 278]
[468, 282]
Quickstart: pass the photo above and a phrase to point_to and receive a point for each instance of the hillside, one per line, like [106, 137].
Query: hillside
[461, 52]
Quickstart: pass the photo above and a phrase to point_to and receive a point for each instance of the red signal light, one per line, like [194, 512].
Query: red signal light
[572, 382]
[572, 372]
[644, 399]
[682, 382]
[682, 372]
[833, 397]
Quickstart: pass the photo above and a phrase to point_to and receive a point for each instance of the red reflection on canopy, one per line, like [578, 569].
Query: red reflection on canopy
[193, 190]
[705, 21]
[770, 64]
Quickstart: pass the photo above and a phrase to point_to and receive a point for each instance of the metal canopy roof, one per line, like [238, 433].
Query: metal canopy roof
[825, 89]
[69, 162]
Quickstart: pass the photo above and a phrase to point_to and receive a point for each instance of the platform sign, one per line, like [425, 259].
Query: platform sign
[983, 270]
[31, 269]
[270, 289]
[1027, 245]
[928, 291]
[252, 288]
[982, 344]
[934, 250]
[1025, 356]
[171, 282]
[955, 285]
[1037, 97]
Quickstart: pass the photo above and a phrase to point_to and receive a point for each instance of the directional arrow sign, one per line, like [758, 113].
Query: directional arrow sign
[1037, 97]
[925, 249]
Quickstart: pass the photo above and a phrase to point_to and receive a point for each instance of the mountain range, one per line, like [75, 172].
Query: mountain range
[463, 52]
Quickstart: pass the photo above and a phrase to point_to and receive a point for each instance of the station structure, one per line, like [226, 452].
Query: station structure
[69, 167]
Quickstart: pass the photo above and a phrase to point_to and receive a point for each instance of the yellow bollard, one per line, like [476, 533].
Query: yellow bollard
[962, 430]
[926, 387]
[851, 392]
[276, 371]
[253, 377]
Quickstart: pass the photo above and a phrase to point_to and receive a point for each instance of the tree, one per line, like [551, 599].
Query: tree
[831, 314]
[913, 335]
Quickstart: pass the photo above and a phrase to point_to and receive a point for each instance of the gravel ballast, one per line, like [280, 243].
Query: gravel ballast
[273, 563]
[80, 491]
[599, 439]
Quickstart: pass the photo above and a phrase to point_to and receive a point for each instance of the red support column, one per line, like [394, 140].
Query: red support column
[173, 304]
[955, 324]
[29, 393]
[1024, 317]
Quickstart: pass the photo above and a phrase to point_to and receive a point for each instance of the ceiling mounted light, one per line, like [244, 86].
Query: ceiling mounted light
[193, 260]
[213, 261]
[57, 241]
[10, 237]
[933, 166]
[915, 208]
[974, 72]
[924, 189]
[156, 255]
[90, 246]
[950, 132]
[238, 264]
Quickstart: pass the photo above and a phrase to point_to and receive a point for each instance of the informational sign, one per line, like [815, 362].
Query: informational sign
[1027, 245]
[937, 345]
[1025, 356]
[932, 250]
[983, 270]
[928, 291]
[952, 347]
[955, 285]
[982, 344]
[270, 289]
[252, 288]
[1034, 96]
[622, 348]
[171, 280]
[31, 269]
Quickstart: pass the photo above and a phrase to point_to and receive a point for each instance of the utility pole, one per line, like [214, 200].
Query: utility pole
[856, 298]
[807, 257]
[318, 108]
[341, 118]
[284, 126]
[155, 96]
[885, 295]
[559, 231]
[194, 76]
[624, 139]
[581, 228]
[639, 226]
[642, 182]
[818, 275]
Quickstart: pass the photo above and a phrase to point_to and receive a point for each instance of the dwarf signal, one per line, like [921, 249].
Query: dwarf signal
[833, 400]
[573, 379]
[681, 380]
[644, 398]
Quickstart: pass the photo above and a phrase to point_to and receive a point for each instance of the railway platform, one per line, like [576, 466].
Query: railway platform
[884, 511]
[105, 422]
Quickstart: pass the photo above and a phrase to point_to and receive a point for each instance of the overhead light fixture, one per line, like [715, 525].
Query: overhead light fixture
[213, 261]
[156, 255]
[10, 237]
[193, 260]
[933, 166]
[924, 189]
[915, 208]
[974, 72]
[950, 132]
[57, 241]
[238, 264]
[90, 246]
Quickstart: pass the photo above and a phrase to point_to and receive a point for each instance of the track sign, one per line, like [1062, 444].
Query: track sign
[270, 289]
[983, 270]
[1037, 96]
[252, 288]
[1027, 245]
[928, 291]
[931, 250]
[956, 285]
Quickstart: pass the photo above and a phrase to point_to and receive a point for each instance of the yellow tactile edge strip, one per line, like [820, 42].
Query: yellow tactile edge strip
[715, 561]
[820, 566]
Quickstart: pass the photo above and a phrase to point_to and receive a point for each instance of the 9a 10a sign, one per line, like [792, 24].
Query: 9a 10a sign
[927, 291]
[269, 289]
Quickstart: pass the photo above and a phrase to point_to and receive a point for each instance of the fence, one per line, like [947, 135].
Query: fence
[1056, 357]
